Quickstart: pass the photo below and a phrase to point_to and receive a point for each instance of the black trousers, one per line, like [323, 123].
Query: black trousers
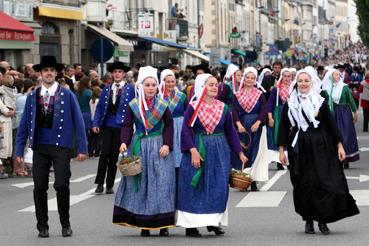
[43, 157]
[110, 138]
[366, 119]
[94, 144]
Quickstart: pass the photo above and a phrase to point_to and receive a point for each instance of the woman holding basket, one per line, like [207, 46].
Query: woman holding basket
[208, 136]
[147, 200]
[248, 114]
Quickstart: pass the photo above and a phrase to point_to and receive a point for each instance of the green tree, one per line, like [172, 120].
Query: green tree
[362, 11]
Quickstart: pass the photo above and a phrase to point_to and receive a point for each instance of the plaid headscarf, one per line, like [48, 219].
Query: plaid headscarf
[248, 99]
[210, 115]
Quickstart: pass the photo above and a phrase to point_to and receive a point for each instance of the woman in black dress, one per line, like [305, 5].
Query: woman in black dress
[314, 144]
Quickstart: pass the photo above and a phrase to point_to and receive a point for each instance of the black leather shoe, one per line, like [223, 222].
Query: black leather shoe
[323, 228]
[67, 232]
[99, 189]
[145, 233]
[164, 232]
[254, 187]
[216, 229]
[43, 233]
[109, 191]
[309, 227]
[192, 232]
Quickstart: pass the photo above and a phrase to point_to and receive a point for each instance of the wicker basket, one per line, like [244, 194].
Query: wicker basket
[130, 166]
[239, 181]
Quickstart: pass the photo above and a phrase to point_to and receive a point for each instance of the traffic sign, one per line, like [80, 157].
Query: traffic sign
[102, 50]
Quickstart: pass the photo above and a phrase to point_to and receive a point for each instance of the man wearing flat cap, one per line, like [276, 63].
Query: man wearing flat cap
[51, 120]
[109, 117]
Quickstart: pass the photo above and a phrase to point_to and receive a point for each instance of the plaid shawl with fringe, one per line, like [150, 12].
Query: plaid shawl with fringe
[174, 98]
[154, 115]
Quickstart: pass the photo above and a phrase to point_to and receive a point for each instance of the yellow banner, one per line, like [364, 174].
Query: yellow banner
[61, 13]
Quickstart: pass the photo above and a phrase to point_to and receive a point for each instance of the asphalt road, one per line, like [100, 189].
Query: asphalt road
[255, 218]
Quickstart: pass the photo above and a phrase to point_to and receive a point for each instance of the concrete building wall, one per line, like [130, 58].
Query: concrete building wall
[353, 21]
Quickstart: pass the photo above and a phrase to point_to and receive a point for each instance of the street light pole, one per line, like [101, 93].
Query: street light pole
[259, 8]
[198, 24]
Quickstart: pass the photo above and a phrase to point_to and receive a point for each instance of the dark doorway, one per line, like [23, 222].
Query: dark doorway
[50, 41]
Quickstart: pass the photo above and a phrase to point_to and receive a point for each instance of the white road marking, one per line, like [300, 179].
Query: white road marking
[83, 178]
[361, 197]
[273, 180]
[78, 180]
[361, 178]
[262, 199]
[363, 137]
[363, 149]
[74, 199]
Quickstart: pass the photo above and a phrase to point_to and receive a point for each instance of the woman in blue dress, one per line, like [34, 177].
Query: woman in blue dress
[278, 97]
[177, 104]
[147, 200]
[343, 105]
[249, 114]
[208, 137]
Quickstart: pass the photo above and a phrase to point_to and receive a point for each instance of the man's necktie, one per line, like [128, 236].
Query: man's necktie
[116, 93]
[46, 98]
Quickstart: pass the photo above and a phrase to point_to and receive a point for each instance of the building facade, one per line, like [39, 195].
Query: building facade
[141, 32]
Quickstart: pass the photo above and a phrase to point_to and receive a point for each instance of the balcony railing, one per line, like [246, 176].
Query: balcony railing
[180, 25]
[73, 3]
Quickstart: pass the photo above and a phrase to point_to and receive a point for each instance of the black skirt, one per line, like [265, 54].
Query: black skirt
[320, 187]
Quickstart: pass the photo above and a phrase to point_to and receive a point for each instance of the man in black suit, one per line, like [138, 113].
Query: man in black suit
[269, 81]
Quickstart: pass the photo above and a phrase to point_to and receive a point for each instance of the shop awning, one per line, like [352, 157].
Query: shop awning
[61, 12]
[162, 42]
[14, 30]
[238, 52]
[197, 55]
[224, 61]
[122, 43]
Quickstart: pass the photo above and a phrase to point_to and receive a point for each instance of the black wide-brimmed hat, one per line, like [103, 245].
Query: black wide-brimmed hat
[339, 66]
[320, 68]
[202, 66]
[48, 61]
[118, 65]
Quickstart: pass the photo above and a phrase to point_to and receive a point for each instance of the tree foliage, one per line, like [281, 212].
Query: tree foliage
[362, 11]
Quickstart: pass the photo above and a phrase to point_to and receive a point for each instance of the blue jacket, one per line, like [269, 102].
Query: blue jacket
[102, 106]
[67, 121]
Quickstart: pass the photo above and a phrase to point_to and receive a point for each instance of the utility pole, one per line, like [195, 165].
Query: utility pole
[198, 24]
